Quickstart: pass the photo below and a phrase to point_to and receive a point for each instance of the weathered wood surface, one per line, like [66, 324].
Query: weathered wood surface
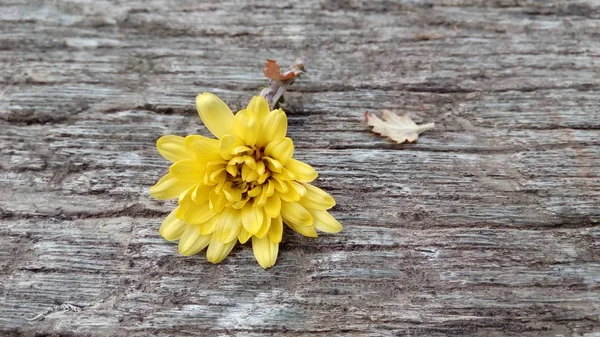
[488, 226]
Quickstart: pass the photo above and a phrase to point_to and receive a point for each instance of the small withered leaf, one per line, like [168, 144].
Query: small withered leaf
[273, 71]
[397, 128]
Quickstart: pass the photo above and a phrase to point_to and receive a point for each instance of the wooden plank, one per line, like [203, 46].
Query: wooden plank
[487, 226]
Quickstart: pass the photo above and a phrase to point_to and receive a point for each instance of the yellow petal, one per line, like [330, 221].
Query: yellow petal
[294, 213]
[272, 127]
[215, 173]
[273, 164]
[209, 226]
[280, 186]
[255, 191]
[217, 250]
[264, 229]
[229, 224]
[243, 236]
[270, 189]
[252, 218]
[299, 188]
[295, 193]
[276, 230]
[217, 177]
[184, 204]
[282, 150]
[259, 106]
[206, 149]
[173, 148]
[261, 200]
[250, 162]
[291, 195]
[216, 202]
[242, 150]
[236, 160]
[260, 167]
[303, 172]
[232, 170]
[231, 192]
[245, 127]
[248, 174]
[263, 177]
[183, 207]
[316, 198]
[240, 204]
[218, 188]
[192, 241]
[284, 175]
[215, 114]
[273, 206]
[265, 251]
[228, 146]
[188, 170]
[169, 187]
[172, 228]
[187, 194]
[308, 231]
[197, 214]
[201, 194]
[325, 222]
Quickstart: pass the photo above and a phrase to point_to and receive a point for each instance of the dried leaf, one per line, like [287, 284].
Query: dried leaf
[397, 128]
[273, 72]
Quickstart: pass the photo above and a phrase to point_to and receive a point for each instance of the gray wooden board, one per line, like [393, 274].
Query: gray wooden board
[487, 226]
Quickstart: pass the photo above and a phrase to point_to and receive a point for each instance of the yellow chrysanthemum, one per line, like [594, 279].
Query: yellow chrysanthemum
[243, 185]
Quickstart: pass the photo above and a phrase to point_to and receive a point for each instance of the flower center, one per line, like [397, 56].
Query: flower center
[249, 175]
[247, 168]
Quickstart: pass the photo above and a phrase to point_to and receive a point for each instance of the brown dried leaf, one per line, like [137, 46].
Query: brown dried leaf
[397, 128]
[273, 71]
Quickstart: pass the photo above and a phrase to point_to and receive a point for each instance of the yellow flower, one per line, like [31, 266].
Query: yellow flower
[243, 185]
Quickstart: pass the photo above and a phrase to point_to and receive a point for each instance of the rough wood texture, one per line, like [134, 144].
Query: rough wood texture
[488, 226]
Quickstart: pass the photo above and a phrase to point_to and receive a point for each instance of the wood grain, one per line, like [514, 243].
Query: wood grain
[488, 226]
